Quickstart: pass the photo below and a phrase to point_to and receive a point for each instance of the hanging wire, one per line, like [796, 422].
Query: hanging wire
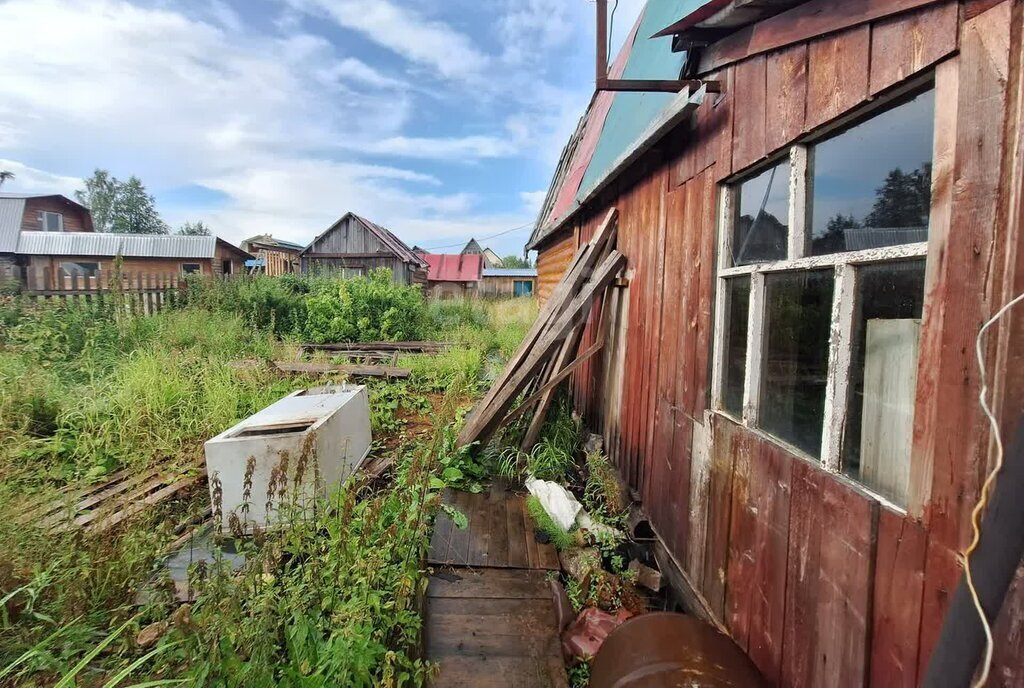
[986, 489]
[502, 233]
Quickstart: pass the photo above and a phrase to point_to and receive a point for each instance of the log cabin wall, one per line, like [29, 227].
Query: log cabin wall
[822, 582]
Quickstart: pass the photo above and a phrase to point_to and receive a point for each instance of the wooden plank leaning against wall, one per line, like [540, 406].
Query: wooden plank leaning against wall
[867, 611]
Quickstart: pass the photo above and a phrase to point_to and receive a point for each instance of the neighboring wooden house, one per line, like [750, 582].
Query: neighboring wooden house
[491, 259]
[354, 246]
[455, 275]
[49, 237]
[272, 257]
[498, 282]
[35, 213]
[789, 380]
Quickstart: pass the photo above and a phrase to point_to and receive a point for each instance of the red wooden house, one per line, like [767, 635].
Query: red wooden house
[814, 237]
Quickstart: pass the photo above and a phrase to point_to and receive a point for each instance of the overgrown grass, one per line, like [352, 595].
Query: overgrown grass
[86, 390]
[561, 539]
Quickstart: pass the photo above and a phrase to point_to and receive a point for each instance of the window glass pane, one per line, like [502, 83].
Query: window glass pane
[80, 268]
[762, 226]
[799, 317]
[883, 376]
[190, 268]
[872, 183]
[51, 222]
[737, 303]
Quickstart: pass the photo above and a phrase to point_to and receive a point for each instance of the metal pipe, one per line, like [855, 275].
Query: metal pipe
[602, 41]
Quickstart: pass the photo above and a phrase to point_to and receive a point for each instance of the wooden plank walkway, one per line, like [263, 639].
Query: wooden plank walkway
[500, 534]
[490, 616]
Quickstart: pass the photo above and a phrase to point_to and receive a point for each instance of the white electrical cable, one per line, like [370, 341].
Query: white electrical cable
[985, 489]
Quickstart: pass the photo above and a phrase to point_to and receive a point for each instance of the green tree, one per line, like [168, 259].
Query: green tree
[100, 197]
[135, 210]
[903, 200]
[5, 176]
[516, 262]
[193, 229]
[833, 239]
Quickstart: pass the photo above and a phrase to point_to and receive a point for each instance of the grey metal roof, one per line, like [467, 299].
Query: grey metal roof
[861, 238]
[510, 272]
[11, 210]
[127, 245]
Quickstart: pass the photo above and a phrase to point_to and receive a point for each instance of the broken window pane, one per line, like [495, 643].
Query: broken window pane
[798, 319]
[872, 183]
[761, 233]
[883, 376]
[737, 303]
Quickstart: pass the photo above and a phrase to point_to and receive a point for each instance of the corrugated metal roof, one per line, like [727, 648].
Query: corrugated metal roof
[397, 245]
[861, 238]
[127, 245]
[454, 267]
[510, 272]
[11, 211]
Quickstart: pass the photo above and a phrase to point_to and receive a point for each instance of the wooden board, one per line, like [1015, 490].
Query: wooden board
[896, 613]
[904, 45]
[354, 370]
[758, 551]
[726, 444]
[500, 534]
[828, 589]
[837, 78]
[786, 95]
[749, 141]
[493, 627]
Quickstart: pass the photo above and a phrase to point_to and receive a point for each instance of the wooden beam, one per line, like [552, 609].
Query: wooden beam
[583, 262]
[657, 85]
[553, 382]
[354, 370]
[482, 425]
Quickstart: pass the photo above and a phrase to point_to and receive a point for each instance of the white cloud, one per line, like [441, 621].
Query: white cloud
[407, 32]
[533, 200]
[454, 149]
[282, 121]
[358, 71]
[31, 180]
[530, 28]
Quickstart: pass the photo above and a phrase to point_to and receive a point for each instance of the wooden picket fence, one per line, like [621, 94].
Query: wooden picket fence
[142, 293]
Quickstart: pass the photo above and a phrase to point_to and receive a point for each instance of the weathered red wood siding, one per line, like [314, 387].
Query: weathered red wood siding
[817, 580]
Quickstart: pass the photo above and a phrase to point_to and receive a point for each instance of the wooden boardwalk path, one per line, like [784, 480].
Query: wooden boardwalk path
[490, 616]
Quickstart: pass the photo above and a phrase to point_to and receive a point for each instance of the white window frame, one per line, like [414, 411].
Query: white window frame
[844, 303]
[43, 214]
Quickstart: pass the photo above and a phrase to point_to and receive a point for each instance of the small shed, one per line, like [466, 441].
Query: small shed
[354, 246]
[516, 282]
[453, 275]
[273, 257]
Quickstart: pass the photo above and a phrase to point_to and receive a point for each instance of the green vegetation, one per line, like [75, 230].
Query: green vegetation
[86, 390]
[558, 537]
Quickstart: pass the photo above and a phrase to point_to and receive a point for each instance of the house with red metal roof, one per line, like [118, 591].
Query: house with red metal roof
[451, 275]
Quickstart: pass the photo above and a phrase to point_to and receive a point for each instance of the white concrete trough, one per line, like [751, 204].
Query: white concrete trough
[311, 441]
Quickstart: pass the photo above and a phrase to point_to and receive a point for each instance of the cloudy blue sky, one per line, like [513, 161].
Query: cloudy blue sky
[442, 120]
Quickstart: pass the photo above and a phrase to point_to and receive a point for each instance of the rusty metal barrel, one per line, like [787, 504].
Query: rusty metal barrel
[665, 649]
